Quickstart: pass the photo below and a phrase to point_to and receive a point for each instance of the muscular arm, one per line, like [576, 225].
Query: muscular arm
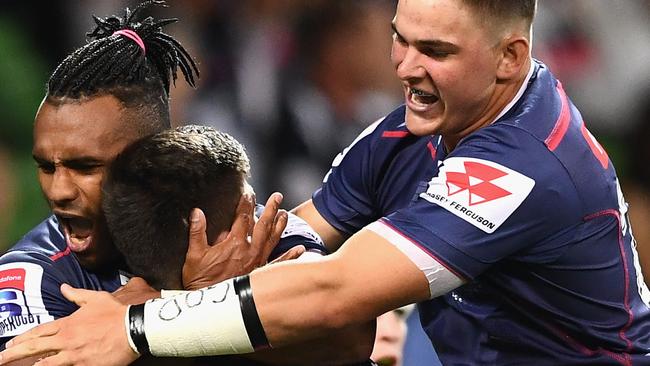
[331, 237]
[366, 277]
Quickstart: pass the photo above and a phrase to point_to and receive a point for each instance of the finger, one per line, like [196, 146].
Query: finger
[251, 223]
[198, 239]
[32, 347]
[79, 296]
[243, 218]
[290, 254]
[277, 229]
[41, 331]
[57, 359]
[264, 226]
[271, 208]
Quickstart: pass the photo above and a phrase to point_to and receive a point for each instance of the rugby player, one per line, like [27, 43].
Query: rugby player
[149, 192]
[105, 95]
[484, 198]
[100, 98]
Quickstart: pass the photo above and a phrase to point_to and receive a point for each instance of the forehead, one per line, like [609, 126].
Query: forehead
[447, 20]
[93, 127]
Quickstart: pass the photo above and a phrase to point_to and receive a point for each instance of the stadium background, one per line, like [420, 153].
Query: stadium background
[297, 80]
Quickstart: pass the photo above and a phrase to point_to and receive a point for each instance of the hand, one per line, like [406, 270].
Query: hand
[93, 335]
[290, 254]
[136, 291]
[240, 252]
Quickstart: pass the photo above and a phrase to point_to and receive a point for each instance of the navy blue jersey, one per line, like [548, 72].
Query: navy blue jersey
[31, 273]
[33, 270]
[528, 211]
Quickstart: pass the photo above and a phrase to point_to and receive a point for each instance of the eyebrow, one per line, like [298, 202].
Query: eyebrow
[427, 42]
[80, 161]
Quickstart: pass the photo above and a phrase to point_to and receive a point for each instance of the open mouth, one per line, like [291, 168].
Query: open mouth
[421, 98]
[78, 232]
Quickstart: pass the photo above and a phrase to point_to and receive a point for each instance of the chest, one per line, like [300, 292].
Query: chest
[404, 170]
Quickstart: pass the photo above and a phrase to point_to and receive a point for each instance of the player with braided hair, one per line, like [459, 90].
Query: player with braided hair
[105, 95]
[133, 60]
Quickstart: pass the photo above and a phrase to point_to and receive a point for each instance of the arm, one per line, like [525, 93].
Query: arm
[351, 286]
[331, 237]
[344, 346]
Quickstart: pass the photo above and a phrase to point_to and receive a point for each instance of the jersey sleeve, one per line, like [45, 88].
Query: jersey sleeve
[29, 293]
[499, 194]
[297, 232]
[345, 199]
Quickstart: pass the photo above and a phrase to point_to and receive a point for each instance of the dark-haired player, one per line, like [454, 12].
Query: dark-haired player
[102, 97]
[150, 190]
[154, 184]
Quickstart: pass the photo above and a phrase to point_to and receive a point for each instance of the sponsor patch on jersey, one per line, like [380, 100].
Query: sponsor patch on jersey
[478, 191]
[13, 278]
[21, 301]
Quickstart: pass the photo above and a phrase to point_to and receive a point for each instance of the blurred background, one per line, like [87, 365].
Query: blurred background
[297, 80]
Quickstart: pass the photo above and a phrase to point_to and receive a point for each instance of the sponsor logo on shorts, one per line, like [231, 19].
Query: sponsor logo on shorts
[478, 191]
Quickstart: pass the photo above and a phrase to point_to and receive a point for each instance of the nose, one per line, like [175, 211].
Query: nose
[61, 189]
[407, 62]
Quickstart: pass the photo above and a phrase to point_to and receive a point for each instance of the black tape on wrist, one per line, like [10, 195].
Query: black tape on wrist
[256, 334]
[136, 329]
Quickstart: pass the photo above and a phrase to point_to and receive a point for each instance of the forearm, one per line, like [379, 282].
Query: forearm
[364, 279]
[348, 346]
[331, 237]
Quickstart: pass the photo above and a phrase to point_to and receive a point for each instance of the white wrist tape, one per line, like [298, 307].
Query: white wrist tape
[169, 293]
[197, 323]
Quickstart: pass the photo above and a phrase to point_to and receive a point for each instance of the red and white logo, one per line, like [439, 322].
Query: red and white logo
[13, 278]
[479, 191]
[477, 180]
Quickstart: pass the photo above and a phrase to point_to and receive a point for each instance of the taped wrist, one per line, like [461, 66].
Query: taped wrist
[217, 320]
[135, 328]
[252, 320]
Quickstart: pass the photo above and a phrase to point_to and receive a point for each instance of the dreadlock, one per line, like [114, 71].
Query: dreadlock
[112, 64]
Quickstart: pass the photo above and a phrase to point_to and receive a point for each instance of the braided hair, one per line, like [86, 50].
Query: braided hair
[137, 75]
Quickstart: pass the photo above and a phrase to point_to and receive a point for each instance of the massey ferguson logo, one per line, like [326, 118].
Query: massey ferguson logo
[477, 181]
[478, 191]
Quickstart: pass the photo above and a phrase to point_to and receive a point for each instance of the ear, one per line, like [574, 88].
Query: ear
[515, 52]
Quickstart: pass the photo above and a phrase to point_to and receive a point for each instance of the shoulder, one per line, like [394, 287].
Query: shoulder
[391, 125]
[33, 263]
[45, 239]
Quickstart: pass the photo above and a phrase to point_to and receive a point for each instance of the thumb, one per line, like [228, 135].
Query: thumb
[198, 240]
[76, 295]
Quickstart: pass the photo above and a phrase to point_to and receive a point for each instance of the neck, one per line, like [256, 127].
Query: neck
[505, 92]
